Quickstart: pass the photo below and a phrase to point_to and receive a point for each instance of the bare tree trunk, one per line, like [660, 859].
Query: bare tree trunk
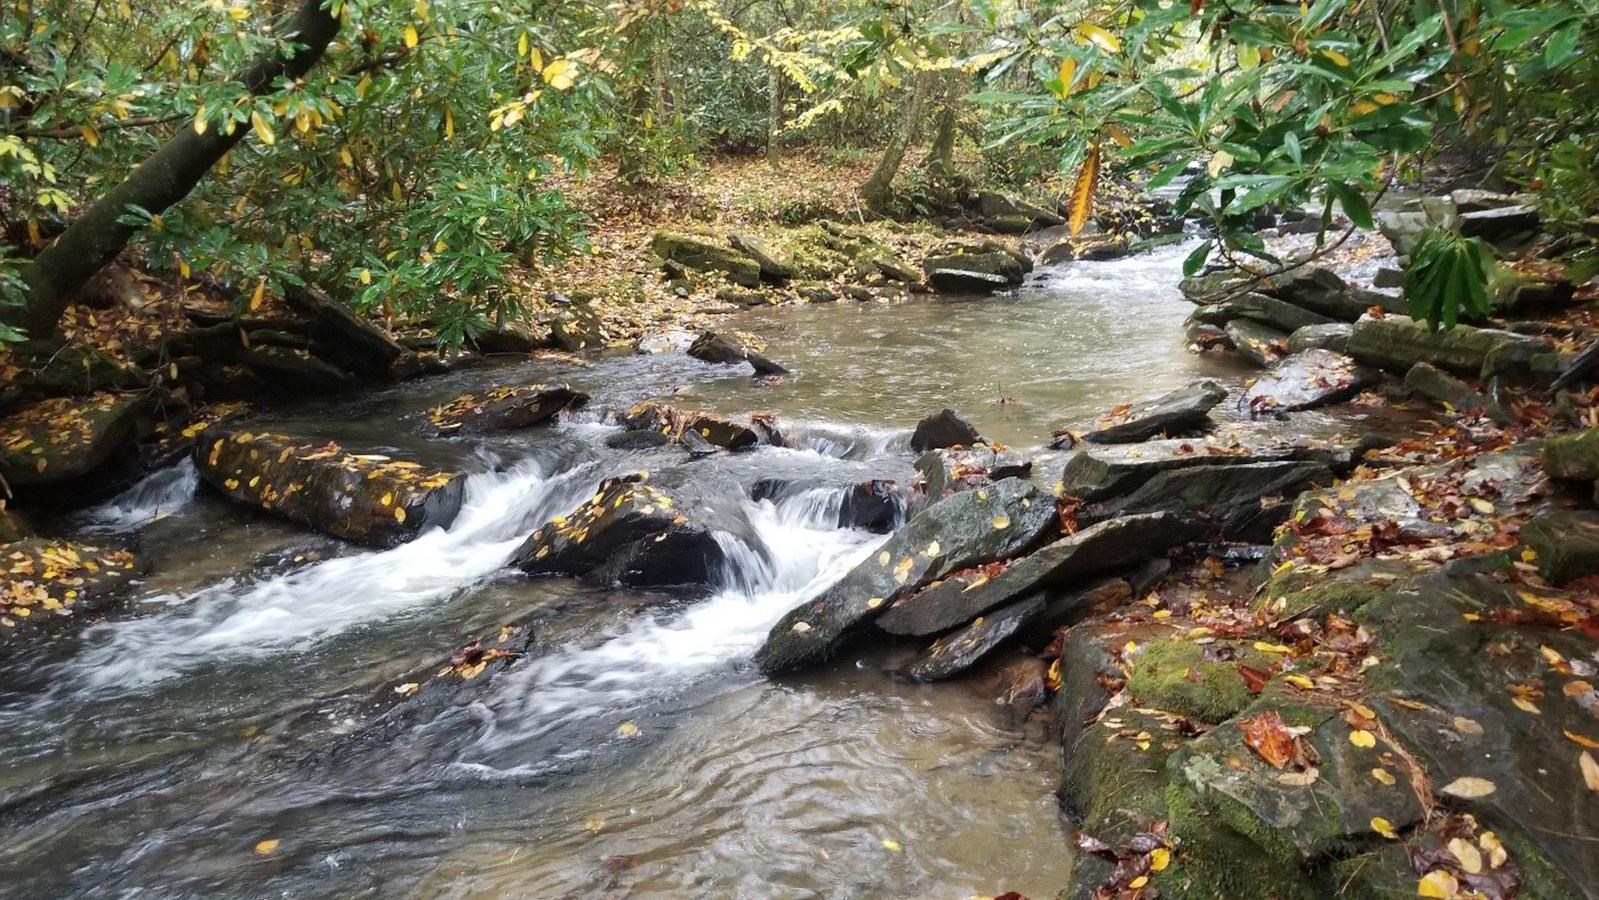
[774, 112]
[96, 237]
[876, 189]
[941, 158]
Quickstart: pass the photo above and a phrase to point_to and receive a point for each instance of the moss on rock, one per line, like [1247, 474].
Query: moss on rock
[1200, 681]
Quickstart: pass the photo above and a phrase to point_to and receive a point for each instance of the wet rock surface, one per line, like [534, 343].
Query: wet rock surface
[64, 439]
[1182, 410]
[1334, 337]
[1241, 502]
[1307, 380]
[629, 533]
[940, 473]
[367, 499]
[1396, 343]
[700, 430]
[955, 653]
[1260, 344]
[943, 429]
[974, 527]
[716, 348]
[46, 585]
[1269, 311]
[504, 408]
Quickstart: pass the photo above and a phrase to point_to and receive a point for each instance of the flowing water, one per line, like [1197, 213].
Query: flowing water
[636, 752]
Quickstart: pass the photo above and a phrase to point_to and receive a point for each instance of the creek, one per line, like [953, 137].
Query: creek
[636, 752]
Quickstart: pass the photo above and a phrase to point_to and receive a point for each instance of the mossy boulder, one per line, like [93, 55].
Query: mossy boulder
[996, 268]
[704, 253]
[364, 498]
[1566, 542]
[1573, 456]
[1200, 681]
[65, 438]
[1395, 343]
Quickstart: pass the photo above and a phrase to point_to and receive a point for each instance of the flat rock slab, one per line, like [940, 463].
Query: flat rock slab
[1444, 389]
[955, 653]
[1500, 223]
[64, 438]
[504, 408]
[986, 525]
[1181, 410]
[944, 429]
[1460, 682]
[966, 595]
[47, 584]
[1240, 503]
[1260, 344]
[704, 253]
[944, 472]
[1269, 311]
[366, 499]
[1334, 337]
[628, 533]
[979, 272]
[1307, 380]
[1395, 343]
[1096, 473]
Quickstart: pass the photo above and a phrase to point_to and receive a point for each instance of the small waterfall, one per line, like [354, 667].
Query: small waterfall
[159, 494]
[245, 617]
[801, 552]
[846, 441]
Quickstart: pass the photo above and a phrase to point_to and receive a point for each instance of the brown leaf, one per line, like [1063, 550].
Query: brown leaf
[1270, 738]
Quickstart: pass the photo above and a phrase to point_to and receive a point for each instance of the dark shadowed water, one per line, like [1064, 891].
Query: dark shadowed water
[637, 753]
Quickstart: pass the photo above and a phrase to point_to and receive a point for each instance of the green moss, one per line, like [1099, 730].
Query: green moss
[1216, 862]
[1174, 674]
[1333, 596]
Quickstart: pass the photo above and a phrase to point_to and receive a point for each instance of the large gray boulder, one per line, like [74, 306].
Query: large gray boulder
[1395, 343]
[1181, 410]
[968, 529]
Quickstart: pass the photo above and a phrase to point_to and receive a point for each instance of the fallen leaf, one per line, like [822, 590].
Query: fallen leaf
[1362, 738]
[1588, 742]
[1159, 859]
[1385, 828]
[627, 730]
[892, 845]
[267, 846]
[1466, 853]
[1469, 788]
[1438, 884]
[1590, 770]
[1384, 776]
[1269, 737]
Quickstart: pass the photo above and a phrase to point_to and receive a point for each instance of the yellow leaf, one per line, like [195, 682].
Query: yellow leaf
[266, 846]
[521, 45]
[1300, 681]
[1119, 136]
[1159, 859]
[1385, 828]
[1588, 742]
[1590, 770]
[1219, 161]
[1082, 201]
[1099, 37]
[1383, 775]
[1438, 884]
[594, 825]
[410, 36]
[90, 134]
[449, 124]
[1466, 852]
[1067, 74]
[1469, 788]
[258, 295]
[1264, 647]
[536, 59]
[1362, 738]
[558, 75]
[1362, 107]
[932, 550]
[1338, 58]
[262, 128]
[1576, 688]
[892, 845]
[1138, 882]
[1526, 706]
[399, 514]
[627, 730]
[1001, 522]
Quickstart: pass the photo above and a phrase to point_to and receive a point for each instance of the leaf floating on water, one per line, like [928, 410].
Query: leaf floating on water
[264, 848]
[1469, 788]
[892, 845]
[627, 730]
[595, 826]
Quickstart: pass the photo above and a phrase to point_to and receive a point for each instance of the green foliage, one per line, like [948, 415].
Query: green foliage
[1448, 274]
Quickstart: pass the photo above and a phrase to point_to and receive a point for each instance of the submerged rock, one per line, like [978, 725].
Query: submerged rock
[715, 348]
[64, 439]
[366, 499]
[504, 408]
[48, 584]
[628, 533]
[1184, 409]
[1307, 380]
[942, 429]
[971, 528]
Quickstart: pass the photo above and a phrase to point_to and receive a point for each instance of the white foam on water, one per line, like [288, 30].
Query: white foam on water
[802, 552]
[258, 618]
[158, 494]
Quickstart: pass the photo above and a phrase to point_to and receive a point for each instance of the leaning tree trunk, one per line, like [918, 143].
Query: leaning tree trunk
[96, 237]
[876, 189]
[941, 158]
